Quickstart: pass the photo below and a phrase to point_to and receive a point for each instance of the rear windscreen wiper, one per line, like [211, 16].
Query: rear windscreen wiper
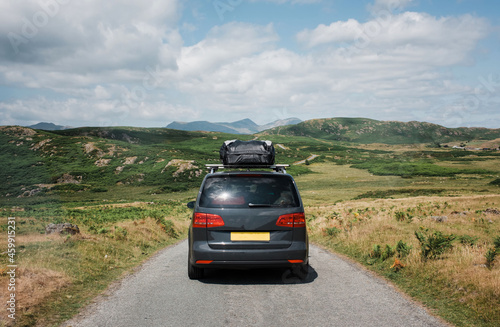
[254, 205]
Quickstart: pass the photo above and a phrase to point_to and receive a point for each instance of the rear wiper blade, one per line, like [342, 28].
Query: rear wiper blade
[253, 205]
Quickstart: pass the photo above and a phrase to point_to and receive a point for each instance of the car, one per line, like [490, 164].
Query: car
[247, 219]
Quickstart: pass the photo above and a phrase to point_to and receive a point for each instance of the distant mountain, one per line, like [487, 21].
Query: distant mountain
[245, 126]
[362, 130]
[278, 123]
[48, 127]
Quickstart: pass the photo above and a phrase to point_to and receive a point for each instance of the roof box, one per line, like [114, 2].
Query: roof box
[247, 153]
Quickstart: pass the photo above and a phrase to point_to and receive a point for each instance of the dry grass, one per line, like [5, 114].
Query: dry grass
[459, 275]
[116, 205]
[33, 287]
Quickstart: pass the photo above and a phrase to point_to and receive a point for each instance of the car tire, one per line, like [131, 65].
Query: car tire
[195, 272]
[296, 275]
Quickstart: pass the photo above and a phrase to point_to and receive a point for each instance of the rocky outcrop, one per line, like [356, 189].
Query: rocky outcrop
[65, 228]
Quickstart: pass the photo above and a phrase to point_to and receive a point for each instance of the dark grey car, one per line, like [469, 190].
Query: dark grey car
[247, 219]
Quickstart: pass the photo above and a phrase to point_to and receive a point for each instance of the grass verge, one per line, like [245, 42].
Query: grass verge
[59, 274]
[453, 281]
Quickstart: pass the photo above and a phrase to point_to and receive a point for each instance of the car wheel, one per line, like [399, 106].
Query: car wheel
[295, 275]
[195, 272]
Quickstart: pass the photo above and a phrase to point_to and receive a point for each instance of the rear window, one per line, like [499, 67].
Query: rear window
[243, 191]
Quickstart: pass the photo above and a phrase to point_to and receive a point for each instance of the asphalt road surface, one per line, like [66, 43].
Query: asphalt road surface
[334, 293]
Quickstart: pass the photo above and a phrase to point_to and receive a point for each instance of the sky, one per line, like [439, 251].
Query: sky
[148, 63]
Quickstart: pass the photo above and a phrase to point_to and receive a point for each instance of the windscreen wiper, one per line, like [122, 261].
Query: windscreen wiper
[257, 205]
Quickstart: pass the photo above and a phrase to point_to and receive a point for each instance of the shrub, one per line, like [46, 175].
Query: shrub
[168, 226]
[333, 231]
[99, 190]
[490, 257]
[402, 216]
[376, 252]
[389, 252]
[103, 230]
[403, 249]
[120, 233]
[492, 252]
[468, 240]
[434, 244]
[407, 192]
[68, 187]
[496, 243]
[495, 182]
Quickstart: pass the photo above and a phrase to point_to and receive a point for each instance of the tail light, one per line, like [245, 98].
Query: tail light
[207, 220]
[292, 220]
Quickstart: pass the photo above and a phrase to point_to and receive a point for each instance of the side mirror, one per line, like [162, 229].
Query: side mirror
[191, 204]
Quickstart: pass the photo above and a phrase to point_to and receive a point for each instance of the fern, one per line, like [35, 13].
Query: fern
[403, 249]
[435, 244]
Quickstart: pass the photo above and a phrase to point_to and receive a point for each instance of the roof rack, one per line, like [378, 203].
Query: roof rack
[280, 168]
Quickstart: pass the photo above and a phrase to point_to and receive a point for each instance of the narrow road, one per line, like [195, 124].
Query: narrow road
[334, 293]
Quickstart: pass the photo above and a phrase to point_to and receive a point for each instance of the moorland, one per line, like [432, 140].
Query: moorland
[416, 203]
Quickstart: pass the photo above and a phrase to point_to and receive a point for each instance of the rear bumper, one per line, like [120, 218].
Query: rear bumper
[297, 253]
[249, 264]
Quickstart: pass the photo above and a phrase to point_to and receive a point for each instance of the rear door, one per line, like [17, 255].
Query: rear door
[250, 205]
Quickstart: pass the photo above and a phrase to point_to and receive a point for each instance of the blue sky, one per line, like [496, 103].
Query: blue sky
[89, 63]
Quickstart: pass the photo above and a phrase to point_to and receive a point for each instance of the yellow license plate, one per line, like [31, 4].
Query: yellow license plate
[251, 236]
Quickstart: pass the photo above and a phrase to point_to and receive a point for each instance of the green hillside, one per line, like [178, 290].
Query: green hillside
[92, 159]
[362, 130]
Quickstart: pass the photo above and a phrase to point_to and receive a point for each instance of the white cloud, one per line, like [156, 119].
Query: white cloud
[409, 30]
[225, 44]
[397, 69]
[100, 40]
[119, 63]
[95, 55]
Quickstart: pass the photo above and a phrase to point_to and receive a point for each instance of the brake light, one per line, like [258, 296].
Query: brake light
[285, 221]
[207, 220]
[214, 221]
[299, 220]
[292, 220]
[205, 262]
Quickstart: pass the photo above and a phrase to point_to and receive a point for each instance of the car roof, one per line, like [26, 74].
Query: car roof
[249, 173]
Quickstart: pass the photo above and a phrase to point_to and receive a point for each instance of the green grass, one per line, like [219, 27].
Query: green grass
[403, 192]
[410, 169]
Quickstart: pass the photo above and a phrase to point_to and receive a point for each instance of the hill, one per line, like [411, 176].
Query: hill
[362, 130]
[48, 126]
[245, 126]
[94, 158]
